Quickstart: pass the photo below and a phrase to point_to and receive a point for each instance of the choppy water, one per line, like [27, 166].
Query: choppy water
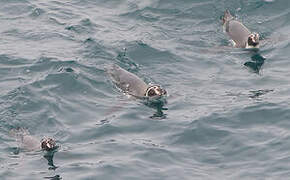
[228, 110]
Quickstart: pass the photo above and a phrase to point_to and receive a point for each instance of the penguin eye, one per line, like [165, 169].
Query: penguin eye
[43, 144]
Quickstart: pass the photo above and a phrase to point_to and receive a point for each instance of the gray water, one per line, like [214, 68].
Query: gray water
[227, 114]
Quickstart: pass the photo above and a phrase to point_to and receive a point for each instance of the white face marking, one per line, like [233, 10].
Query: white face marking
[157, 91]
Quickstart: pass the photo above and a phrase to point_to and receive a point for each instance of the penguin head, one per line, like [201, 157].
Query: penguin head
[155, 91]
[48, 144]
[253, 40]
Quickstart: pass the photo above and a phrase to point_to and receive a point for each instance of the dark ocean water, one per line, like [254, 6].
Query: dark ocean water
[227, 114]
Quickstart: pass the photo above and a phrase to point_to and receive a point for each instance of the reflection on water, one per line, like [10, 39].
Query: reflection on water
[256, 62]
[158, 105]
[49, 157]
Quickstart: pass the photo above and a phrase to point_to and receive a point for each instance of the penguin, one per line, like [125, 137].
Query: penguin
[131, 84]
[239, 34]
[31, 143]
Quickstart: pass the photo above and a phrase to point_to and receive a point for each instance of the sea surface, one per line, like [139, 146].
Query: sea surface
[227, 114]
